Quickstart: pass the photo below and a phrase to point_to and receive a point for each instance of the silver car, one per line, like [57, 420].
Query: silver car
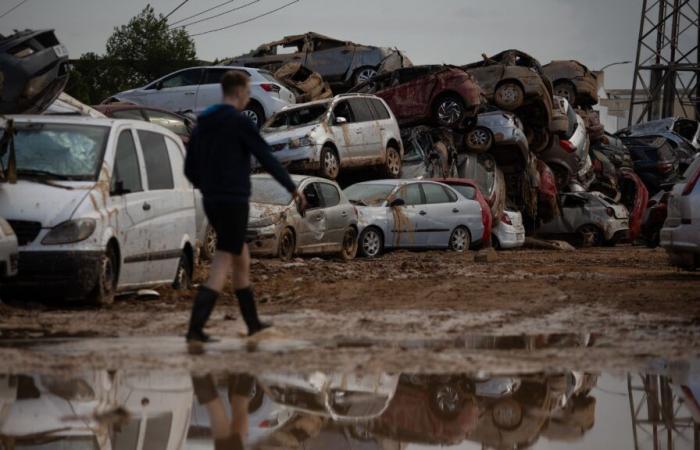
[591, 217]
[501, 133]
[347, 131]
[413, 214]
[276, 228]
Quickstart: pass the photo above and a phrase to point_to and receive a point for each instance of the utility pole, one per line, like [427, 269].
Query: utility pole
[668, 61]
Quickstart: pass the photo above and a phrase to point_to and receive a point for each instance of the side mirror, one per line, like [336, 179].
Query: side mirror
[119, 189]
[340, 120]
[397, 202]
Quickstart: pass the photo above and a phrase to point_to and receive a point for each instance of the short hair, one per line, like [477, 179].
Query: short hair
[231, 81]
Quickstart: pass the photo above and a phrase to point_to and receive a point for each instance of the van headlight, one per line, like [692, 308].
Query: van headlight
[301, 142]
[70, 231]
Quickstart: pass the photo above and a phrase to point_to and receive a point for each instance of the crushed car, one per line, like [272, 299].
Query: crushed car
[306, 84]
[429, 153]
[343, 64]
[687, 128]
[502, 134]
[277, 228]
[573, 81]
[655, 161]
[349, 131]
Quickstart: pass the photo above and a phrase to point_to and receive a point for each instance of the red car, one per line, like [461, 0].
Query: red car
[469, 189]
[439, 95]
[178, 124]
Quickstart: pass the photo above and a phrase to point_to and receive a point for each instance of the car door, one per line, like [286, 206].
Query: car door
[348, 136]
[209, 92]
[371, 148]
[337, 214]
[313, 226]
[176, 92]
[408, 221]
[330, 58]
[441, 214]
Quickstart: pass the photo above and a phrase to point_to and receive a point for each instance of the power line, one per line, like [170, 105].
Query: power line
[247, 20]
[176, 8]
[12, 9]
[203, 12]
[217, 15]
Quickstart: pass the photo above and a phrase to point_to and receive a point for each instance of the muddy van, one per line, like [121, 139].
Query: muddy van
[98, 206]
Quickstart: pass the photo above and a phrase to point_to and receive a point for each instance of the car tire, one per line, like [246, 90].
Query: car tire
[287, 245]
[460, 240]
[479, 140]
[330, 164]
[104, 291]
[589, 236]
[364, 74]
[495, 243]
[209, 245]
[392, 163]
[349, 249]
[183, 275]
[449, 111]
[371, 242]
[447, 401]
[509, 96]
[255, 113]
[567, 90]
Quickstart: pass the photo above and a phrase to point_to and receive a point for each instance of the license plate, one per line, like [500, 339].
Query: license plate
[60, 50]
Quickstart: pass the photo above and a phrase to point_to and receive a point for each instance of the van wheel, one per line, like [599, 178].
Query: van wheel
[287, 245]
[349, 244]
[106, 287]
[460, 240]
[392, 165]
[183, 276]
[330, 165]
[371, 242]
[509, 96]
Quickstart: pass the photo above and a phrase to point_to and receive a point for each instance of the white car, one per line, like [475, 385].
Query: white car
[347, 131]
[9, 255]
[100, 205]
[510, 232]
[194, 89]
[680, 235]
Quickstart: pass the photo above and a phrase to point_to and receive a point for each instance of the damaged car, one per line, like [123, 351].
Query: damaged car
[341, 63]
[429, 153]
[573, 81]
[501, 133]
[591, 218]
[307, 85]
[440, 95]
[687, 128]
[177, 123]
[414, 214]
[277, 228]
[349, 131]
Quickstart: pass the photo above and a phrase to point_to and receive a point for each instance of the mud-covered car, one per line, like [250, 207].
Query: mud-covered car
[33, 71]
[277, 228]
[573, 81]
[470, 190]
[429, 153]
[590, 218]
[307, 86]
[514, 81]
[341, 63]
[439, 95]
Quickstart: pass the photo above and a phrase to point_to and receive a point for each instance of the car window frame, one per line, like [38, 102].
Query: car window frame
[318, 194]
[374, 104]
[324, 200]
[145, 162]
[336, 105]
[361, 101]
[425, 195]
[420, 192]
[139, 165]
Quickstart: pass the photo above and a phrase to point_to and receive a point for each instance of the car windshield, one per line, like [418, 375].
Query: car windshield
[369, 194]
[269, 192]
[299, 116]
[59, 151]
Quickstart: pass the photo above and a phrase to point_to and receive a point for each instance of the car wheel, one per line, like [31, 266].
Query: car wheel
[364, 74]
[255, 113]
[449, 111]
[495, 242]
[183, 276]
[349, 249]
[509, 96]
[209, 247]
[371, 243]
[590, 236]
[447, 401]
[460, 240]
[106, 287]
[392, 164]
[567, 90]
[287, 245]
[330, 165]
[479, 140]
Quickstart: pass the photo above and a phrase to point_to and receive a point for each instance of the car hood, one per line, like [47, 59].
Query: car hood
[36, 202]
[285, 134]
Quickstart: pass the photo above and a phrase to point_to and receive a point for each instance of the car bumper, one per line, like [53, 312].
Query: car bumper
[262, 242]
[513, 237]
[55, 275]
[616, 230]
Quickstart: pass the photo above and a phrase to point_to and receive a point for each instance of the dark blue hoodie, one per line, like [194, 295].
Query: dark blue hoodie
[218, 156]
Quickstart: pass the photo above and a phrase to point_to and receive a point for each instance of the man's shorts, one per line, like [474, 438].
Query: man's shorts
[230, 221]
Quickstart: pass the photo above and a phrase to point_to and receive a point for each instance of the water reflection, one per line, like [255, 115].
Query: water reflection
[122, 410]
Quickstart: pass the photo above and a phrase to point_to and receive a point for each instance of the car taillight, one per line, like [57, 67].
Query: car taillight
[664, 166]
[690, 185]
[505, 219]
[568, 146]
[610, 211]
[269, 87]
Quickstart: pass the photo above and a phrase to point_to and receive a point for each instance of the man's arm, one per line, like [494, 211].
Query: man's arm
[261, 150]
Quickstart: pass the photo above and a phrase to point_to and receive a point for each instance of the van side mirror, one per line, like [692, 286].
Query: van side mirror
[340, 120]
[397, 202]
[119, 189]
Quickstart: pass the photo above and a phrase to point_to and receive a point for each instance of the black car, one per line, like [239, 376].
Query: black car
[655, 160]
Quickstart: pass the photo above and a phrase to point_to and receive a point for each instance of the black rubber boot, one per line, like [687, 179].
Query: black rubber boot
[246, 302]
[201, 310]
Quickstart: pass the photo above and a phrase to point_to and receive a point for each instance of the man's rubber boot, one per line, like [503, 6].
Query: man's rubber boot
[201, 310]
[246, 302]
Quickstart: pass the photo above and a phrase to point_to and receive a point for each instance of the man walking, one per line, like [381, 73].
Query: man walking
[218, 164]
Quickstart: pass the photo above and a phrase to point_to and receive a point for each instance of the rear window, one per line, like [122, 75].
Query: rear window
[155, 155]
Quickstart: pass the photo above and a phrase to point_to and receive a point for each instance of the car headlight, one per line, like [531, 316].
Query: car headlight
[6, 228]
[70, 231]
[301, 142]
[261, 223]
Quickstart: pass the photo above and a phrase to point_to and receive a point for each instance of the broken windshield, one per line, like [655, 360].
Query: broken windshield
[58, 151]
[297, 117]
[369, 194]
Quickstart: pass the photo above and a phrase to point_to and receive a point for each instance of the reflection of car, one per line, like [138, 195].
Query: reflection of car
[441, 95]
[687, 128]
[348, 131]
[100, 205]
[178, 124]
[573, 81]
[33, 71]
[591, 217]
[503, 135]
[414, 214]
[680, 235]
[194, 89]
[510, 232]
[9, 254]
[470, 190]
[341, 63]
[276, 228]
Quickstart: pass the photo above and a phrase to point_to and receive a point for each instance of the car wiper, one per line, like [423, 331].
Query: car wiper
[40, 176]
[42, 173]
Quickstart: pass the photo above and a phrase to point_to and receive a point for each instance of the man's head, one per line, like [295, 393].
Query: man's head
[236, 89]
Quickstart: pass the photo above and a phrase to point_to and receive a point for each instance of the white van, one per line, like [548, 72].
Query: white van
[99, 206]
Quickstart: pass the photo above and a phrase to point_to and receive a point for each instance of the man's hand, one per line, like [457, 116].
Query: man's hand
[300, 200]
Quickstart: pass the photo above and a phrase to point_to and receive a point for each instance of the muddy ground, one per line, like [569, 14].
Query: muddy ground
[407, 311]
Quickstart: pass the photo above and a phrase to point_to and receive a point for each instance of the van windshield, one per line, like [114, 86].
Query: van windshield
[297, 117]
[58, 151]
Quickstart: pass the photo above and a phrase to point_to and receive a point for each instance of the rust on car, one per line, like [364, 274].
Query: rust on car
[573, 81]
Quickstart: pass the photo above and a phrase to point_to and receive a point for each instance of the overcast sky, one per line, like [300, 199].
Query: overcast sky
[596, 32]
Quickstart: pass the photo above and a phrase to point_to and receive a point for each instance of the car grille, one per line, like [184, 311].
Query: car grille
[26, 231]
